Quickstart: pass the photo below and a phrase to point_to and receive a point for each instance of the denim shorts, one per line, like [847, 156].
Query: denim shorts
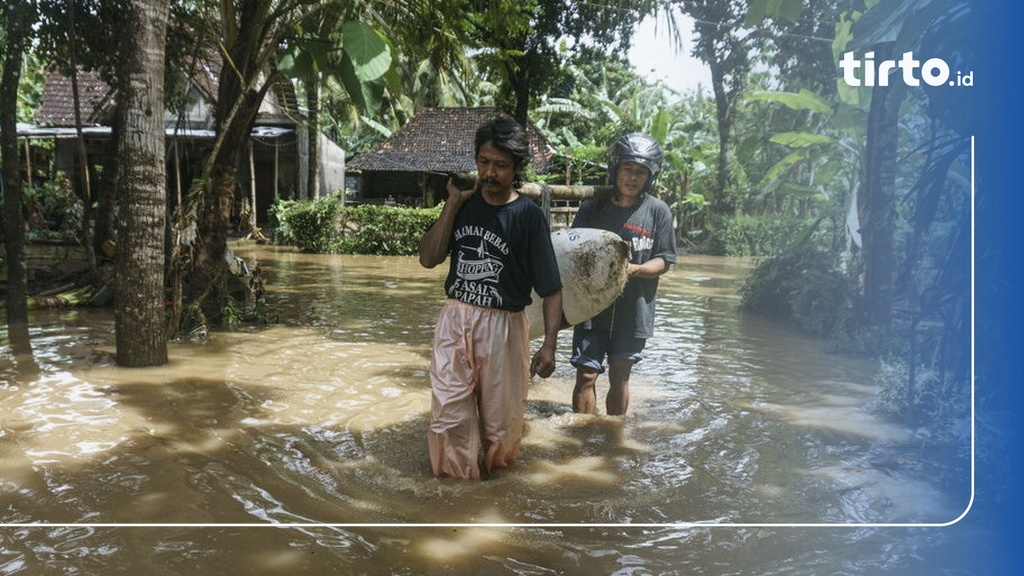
[589, 348]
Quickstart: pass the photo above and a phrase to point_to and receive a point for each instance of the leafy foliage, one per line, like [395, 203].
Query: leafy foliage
[306, 224]
[327, 226]
[93, 42]
[54, 211]
[934, 395]
[802, 285]
[745, 235]
[30, 86]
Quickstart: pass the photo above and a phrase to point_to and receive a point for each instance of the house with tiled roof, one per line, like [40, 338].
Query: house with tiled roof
[412, 165]
[276, 165]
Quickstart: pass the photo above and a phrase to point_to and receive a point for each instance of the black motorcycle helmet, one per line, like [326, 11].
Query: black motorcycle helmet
[640, 148]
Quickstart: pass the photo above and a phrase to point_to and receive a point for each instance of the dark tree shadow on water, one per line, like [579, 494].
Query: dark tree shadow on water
[23, 365]
[202, 452]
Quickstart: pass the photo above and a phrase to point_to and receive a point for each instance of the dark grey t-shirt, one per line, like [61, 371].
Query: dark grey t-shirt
[499, 254]
[647, 226]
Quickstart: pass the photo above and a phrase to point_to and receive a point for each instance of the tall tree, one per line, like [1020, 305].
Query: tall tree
[316, 54]
[725, 46]
[76, 35]
[250, 38]
[140, 329]
[17, 19]
[521, 38]
[81, 156]
[434, 66]
[941, 28]
[309, 59]
[877, 201]
[798, 38]
[248, 35]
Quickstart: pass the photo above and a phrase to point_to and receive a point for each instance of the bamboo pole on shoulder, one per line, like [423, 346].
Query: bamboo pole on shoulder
[563, 192]
[557, 192]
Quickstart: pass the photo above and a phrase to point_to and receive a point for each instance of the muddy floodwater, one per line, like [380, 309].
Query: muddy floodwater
[299, 448]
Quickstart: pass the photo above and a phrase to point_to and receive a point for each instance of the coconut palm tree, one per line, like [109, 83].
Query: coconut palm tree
[139, 323]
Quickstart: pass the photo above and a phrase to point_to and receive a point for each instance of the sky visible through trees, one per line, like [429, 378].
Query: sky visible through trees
[654, 56]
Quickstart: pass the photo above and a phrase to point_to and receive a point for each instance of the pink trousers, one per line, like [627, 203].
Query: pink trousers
[479, 375]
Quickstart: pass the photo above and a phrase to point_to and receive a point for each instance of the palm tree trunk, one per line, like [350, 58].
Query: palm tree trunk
[140, 333]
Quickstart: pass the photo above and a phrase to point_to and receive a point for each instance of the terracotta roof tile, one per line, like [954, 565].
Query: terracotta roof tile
[57, 105]
[440, 140]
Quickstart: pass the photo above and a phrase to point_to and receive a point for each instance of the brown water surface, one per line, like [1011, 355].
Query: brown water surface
[314, 429]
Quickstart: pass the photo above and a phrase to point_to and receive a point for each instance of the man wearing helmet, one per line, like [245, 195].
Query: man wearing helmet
[621, 331]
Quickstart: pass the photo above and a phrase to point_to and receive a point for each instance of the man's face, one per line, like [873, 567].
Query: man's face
[496, 169]
[631, 178]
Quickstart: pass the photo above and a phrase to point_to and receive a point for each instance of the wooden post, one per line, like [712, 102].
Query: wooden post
[28, 162]
[252, 185]
[177, 171]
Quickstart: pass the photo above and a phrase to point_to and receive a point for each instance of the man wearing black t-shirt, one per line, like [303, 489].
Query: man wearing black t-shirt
[621, 331]
[500, 248]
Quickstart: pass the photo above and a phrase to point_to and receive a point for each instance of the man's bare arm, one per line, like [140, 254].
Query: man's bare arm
[434, 243]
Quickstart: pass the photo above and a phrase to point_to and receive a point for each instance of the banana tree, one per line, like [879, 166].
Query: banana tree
[329, 49]
[819, 174]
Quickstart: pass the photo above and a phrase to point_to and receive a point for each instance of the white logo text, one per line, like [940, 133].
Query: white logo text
[933, 72]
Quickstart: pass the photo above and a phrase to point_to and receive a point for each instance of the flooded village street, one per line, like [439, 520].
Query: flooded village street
[299, 448]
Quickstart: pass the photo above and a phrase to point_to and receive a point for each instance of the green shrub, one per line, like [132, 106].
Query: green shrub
[386, 230]
[744, 235]
[54, 211]
[308, 225]
[804, 286]
[938, 409]
[936, 397]
[326, 226]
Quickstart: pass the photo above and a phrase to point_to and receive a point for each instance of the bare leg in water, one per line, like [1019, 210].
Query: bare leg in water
[584, 395]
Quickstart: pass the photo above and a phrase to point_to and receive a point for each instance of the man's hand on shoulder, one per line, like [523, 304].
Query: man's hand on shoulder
[457, 196]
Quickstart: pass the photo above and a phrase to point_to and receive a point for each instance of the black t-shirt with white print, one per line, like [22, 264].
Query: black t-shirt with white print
[499, 254]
